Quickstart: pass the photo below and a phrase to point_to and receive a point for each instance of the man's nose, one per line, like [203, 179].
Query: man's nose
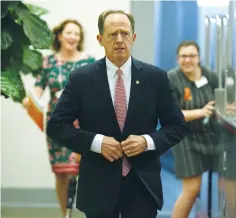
[119, 38]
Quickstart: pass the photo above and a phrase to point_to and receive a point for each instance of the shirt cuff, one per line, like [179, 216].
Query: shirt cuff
[150, 143]
[97, 143]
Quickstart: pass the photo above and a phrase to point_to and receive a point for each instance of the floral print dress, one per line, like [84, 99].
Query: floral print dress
[55, 75]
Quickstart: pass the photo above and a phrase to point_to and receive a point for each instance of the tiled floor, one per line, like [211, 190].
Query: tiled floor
[42, 213]
[36, 213]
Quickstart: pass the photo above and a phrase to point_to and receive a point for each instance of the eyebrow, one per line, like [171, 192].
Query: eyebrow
[118, 30]
[187, 54]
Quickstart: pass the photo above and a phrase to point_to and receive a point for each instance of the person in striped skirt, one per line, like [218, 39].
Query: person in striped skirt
[200, 150]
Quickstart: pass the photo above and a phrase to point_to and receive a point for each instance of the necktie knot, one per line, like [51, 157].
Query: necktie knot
[119, 72]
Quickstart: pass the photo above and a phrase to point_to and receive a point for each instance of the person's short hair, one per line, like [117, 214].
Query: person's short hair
[187, 43]
[56, 45]
[103, 15]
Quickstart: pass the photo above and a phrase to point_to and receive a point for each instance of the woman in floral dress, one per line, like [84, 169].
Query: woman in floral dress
[68, 47]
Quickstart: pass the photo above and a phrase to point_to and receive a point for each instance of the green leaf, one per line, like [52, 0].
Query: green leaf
[32, 58]
[3, 94]
[6, 33]
[20, 30]
[12, 4]
[39, 11]
[25, 69]
[6, 39]
[4, 10]
[12, 58]
[11, 85]
[36, 29]
[15, 60]
[7, 5]
[15, 30]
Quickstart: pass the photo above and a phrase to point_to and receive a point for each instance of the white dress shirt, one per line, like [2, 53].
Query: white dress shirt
[112, 77]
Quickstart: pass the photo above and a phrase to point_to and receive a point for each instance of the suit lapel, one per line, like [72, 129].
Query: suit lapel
[101, 83]
[137, 85]
[102, 86]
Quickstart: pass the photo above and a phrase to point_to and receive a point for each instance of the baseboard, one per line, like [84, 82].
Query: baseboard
[28, 197]
[36, 198]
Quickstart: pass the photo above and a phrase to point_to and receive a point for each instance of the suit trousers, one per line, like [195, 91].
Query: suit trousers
[134, 201]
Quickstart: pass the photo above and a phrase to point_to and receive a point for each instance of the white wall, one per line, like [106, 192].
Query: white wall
[24, 156]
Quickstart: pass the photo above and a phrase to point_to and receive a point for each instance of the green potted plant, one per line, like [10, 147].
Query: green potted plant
[23, 35]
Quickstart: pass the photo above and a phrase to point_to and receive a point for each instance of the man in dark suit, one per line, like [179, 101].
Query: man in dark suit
[118, 101]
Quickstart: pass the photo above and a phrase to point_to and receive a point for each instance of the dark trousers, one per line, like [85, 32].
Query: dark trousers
[134, 202]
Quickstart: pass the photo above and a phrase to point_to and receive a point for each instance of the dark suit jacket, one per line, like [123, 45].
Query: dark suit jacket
[87, 97]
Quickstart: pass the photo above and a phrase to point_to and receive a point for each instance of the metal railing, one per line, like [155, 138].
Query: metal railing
[219, 34]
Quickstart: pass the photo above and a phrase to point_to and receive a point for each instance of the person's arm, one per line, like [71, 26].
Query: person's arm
[61, 129]
[150, 143]
[41, 79]
[173, 126]
[207, 110]
[38, 91]
[60, 126]
[97, 143]
[194, 114]
[40, 84]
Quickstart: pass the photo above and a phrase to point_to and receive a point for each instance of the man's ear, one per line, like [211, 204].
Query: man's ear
[134, 37]
[99, 38]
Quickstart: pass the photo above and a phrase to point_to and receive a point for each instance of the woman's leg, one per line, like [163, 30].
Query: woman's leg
[184, 204]
[64, 166]
[61, 190]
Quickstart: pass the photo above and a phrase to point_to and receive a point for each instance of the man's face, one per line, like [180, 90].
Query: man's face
[117, 38]
[188, 59]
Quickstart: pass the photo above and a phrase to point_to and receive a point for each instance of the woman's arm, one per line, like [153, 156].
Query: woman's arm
[191, 115]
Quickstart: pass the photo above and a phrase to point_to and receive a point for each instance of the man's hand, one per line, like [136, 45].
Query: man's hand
[134, 145]
[111, 149]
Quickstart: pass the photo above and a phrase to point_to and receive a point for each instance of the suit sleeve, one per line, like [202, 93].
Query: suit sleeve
[173, 126]
[60, 126]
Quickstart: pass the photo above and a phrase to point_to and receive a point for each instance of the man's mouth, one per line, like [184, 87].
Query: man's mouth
[120, 49]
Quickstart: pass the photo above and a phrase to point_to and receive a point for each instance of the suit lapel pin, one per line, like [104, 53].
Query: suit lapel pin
[137, 82]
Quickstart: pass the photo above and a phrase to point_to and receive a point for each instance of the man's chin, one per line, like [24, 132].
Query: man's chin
[121, 56]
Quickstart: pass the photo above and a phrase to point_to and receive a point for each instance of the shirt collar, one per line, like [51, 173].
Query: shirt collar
[111, 68]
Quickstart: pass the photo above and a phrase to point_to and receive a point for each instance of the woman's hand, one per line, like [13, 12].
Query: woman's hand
[26, 103]
[37, 91]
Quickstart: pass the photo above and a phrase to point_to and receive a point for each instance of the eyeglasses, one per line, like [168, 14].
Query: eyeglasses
[188, 56]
